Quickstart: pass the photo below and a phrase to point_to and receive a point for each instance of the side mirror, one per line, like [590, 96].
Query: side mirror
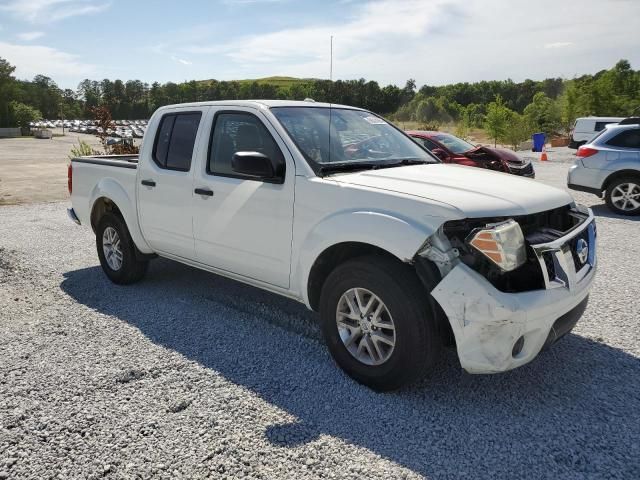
[255, 164]
[441, 154]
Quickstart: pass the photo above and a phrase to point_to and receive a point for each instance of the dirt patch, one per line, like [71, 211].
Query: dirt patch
[34, 170]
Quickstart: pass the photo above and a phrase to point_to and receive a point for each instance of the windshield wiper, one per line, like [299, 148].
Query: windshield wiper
[347, 167]
[352, 166]
[404, 161]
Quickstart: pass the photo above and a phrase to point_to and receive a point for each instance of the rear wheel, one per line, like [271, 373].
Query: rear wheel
[377, 322]
[623, 196]
[117, 251]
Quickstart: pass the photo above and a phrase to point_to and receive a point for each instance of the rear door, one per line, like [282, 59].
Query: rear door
[165, 182]
[241, 224]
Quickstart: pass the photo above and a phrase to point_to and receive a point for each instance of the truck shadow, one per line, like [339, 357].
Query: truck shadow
[567, 409]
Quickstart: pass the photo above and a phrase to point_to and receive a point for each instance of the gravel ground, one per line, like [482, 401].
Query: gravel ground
[189, 375]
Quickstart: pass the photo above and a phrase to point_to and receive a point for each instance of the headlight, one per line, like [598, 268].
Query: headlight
[502, 243]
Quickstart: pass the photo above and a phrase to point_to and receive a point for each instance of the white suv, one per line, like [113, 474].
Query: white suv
[609, 165]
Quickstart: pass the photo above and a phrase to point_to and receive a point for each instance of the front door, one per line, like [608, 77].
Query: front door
[241, 224]
[165, 182]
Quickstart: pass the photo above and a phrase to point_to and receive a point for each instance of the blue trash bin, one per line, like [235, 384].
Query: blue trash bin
[538, 141]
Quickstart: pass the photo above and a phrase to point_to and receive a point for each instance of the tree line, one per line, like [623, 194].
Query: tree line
[507, 109]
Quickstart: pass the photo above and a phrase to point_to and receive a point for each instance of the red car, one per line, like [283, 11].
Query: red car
[451, 149]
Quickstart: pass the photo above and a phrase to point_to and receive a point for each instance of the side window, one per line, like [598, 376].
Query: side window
[175, 140]
[429, 144]
[600, 125]
[162, 140]
[626, 139]
[239, 132]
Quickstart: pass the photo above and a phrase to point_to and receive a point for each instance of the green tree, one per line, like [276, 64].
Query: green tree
[517, 130]
[24, 114]
[7, 87]
[497, 119]
[544, 114]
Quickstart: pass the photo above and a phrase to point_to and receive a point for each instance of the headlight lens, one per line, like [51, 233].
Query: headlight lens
[502, 243]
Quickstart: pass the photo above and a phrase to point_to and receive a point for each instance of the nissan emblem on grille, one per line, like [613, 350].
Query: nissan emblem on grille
[582, 250]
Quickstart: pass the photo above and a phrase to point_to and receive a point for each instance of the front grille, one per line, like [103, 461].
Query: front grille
[517, 170]
[549, 265]
[563, 254]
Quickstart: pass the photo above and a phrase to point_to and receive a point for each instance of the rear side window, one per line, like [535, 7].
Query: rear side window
[600, 125]
[626, 139]
[239, 132]
[428, 144]
[175, 140]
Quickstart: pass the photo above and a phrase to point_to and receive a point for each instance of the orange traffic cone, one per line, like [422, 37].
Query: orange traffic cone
[543, 157]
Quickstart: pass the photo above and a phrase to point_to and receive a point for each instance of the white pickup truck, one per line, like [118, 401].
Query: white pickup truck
[338, 209]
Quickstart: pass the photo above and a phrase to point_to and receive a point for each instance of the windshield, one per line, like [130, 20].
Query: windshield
[329, 137]
[455, 144]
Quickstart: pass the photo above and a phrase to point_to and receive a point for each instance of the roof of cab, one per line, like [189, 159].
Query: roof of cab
[262, 104]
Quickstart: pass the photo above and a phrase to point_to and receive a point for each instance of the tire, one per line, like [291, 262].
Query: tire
[623, 196]
[130, 268]
[405, 303]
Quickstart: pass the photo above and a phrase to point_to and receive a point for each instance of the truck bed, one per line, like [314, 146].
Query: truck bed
[94, 174]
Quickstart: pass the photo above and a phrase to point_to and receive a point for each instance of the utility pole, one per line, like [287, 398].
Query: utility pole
[62, 115]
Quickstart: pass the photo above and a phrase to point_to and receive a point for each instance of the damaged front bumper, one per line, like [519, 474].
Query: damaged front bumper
[497, 331]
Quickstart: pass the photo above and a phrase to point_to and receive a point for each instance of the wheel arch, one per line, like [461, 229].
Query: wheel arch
[334, 256]
[627, 172]
[108, 195]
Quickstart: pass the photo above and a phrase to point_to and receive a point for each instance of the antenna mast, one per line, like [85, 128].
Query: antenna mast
[331, 61]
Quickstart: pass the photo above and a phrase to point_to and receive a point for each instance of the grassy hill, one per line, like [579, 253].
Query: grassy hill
[277, 81]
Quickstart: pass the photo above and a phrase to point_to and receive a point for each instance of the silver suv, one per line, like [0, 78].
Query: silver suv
[609, 165]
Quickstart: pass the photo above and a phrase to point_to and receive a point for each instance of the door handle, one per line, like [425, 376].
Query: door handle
[148, 183]
[204, 191]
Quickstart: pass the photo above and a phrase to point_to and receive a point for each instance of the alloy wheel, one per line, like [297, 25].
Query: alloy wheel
[626, 196]
[111, 248]
[365, 326]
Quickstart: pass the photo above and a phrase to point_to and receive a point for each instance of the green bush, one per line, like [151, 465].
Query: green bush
[83, 149]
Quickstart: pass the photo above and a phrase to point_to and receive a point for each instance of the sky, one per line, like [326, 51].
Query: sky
[434, 42]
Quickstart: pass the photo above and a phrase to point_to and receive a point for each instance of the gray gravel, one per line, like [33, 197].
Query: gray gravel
[189, 375]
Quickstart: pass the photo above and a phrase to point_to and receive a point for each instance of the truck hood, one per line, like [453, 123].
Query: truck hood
[475, 192]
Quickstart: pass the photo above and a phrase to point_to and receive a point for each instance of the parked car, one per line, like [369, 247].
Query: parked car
[609, 166]
[398, 252]
[585, 128]
[451, 149]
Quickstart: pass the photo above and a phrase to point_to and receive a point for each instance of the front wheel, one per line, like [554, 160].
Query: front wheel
[623, 196]
[117, 252]
[378, 323]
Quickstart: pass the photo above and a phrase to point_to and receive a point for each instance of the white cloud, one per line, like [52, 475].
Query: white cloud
[439, 41]
[50, 11]
[376, 27]
[558, 45]
[29, 36]
[181, 60]
[31, 60]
